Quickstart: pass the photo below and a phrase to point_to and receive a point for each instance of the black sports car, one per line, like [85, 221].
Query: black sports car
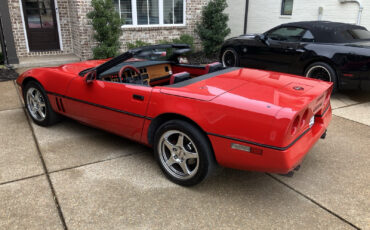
[329, 51]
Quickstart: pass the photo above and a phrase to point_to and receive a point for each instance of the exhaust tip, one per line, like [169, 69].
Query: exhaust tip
[289, 174]
[323, 136]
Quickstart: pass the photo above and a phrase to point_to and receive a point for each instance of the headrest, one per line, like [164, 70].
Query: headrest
[178, 77]
[213, 67]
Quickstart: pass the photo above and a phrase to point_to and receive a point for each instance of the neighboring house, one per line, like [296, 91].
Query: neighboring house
[60, 27]
[263, 15]
[257, 16]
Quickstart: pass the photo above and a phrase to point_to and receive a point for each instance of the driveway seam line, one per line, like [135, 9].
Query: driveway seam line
[91, 163]
[313, 201]
[21, 179]
[4, 110]
[56, 201]
[346, 106]
[352, 120]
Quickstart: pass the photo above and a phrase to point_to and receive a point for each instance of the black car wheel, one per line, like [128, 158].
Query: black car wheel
[183, 153]
[230, 58]
[38, 106]
[322, 71]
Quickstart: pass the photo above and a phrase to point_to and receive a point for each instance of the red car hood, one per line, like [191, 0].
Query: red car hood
[278, 89]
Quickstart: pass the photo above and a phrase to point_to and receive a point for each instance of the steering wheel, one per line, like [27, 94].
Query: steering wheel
[128, 79]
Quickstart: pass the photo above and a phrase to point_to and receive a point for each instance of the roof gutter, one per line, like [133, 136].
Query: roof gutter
[361, 8]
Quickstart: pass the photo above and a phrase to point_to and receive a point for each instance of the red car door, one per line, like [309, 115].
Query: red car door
[116, 107]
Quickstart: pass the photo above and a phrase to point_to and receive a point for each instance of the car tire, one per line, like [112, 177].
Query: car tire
[230, 58]
[38, 106]
[183, 153]
[322, 71]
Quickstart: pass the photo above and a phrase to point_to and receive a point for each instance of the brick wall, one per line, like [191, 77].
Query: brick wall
[148, 34]
[155, 34]
[77, 33]
[19, 35]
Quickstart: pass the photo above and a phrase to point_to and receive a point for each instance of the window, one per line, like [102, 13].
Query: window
[147, 12]
[289, 34]
[151, 12]
[124, 8]
[173, 11]
[287, 7]
[308, 37]
[356, 34]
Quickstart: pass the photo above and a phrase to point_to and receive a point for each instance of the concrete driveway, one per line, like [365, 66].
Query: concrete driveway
[76, 177]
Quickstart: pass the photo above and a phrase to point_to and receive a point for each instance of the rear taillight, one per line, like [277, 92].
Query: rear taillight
[295, 125]
[304, 118]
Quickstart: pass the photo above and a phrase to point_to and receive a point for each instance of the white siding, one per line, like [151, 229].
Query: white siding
[236, 12]
[264, 15]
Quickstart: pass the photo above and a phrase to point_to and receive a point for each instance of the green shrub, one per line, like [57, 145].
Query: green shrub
[107, 26]
[137, 44]
[164, 42]
[213, 28]
[185, 39]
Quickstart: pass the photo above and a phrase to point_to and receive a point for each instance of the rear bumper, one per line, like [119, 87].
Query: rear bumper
[274, 160]
[347, 83]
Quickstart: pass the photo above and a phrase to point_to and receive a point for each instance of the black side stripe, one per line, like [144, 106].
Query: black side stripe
[262, 145]
[100, 106]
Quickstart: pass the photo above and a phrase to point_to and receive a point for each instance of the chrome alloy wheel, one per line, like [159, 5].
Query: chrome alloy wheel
[319, 72]
[36, 104]
[178, 154]
[228, 59]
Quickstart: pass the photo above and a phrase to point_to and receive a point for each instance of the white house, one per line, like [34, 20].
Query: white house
[257, 16]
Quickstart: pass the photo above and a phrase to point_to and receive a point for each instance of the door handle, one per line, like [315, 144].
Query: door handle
[138, 97]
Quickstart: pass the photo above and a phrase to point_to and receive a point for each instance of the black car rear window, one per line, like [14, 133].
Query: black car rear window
[356, 34]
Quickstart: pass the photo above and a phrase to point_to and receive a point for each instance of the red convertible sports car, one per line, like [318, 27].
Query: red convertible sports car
[195, 117]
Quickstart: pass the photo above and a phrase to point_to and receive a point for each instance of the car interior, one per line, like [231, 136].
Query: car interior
[156, 71]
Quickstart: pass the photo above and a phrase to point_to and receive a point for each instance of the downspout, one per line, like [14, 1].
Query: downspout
[2, 43]
[359, 12]
[246, 16]
[361, 8]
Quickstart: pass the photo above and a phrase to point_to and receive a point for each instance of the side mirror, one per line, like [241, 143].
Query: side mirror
[262, 38]
[90, 76]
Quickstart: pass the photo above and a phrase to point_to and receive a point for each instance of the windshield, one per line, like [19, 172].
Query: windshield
[166, 52]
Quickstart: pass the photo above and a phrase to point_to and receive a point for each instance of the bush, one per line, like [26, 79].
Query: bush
[107, 26]
[185, 39]
[213, 27]
[164, 42]
[137, 44]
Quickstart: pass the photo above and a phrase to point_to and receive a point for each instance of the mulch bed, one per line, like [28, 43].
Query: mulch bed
[7, 74]
[199, 58]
